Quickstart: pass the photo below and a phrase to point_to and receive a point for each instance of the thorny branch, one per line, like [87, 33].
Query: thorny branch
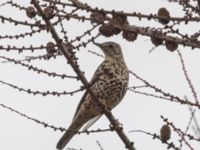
[29, 91]
[30, 67]
[47, 125]
[165, 95]
[187, 78]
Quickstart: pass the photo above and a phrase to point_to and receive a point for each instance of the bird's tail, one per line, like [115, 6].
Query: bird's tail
[65, 139]
[67, 136]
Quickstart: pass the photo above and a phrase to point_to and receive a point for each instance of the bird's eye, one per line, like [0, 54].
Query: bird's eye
[110, 46]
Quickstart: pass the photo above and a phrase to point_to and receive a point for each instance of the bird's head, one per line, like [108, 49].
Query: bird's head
[111, 50]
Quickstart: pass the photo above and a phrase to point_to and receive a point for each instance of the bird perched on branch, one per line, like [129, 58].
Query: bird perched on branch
[109, 84]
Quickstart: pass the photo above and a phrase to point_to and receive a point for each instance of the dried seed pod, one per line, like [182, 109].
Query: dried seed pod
[119, 19]
[185, 1]
[49, 12]
[116, 30]
[108, 30]
[97, 17]
[129, 35]
[165, 133]
[171, 46]
[51, 48]
[30, 12]
[156, 41]
[164, 13]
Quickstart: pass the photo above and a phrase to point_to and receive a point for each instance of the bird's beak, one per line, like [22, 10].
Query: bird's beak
[98, 44]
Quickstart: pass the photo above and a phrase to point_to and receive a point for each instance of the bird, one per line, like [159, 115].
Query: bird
[109, 83]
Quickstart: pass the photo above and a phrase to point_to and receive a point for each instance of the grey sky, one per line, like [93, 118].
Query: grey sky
[161, 68]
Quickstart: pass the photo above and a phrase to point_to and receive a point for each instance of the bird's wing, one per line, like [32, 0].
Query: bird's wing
[80, 103]
[99, 72]
[91, 122]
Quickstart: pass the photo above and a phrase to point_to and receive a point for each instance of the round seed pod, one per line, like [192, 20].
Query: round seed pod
[51, 48]
[156, 41]
[30, 12]
[108, 30]
[97, 17]
[164, 13]
[185, 1]
[129, 35]
[116, 30]
[119, 19]
[49, 12]
[165, 133]
[171, 46]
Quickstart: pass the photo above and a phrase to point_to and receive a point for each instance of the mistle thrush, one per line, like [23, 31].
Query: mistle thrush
[109, 84]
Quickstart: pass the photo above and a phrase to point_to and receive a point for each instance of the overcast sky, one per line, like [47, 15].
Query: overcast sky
[136, 112]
